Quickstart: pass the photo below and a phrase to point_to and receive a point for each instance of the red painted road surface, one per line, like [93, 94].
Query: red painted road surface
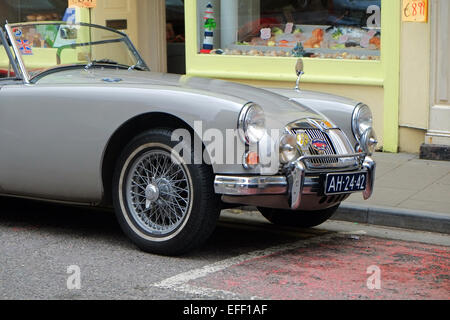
[336, 268]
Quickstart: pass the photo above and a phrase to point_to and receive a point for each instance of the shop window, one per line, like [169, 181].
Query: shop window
[32, 10]
[328, 29]
[175, 21]
[175, 26]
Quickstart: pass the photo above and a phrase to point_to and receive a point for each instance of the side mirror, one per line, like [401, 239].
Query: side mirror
[299, 67]
[299, 71]
[68, 33]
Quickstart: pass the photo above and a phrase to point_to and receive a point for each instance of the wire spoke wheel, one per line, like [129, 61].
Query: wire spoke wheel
[158, 192]
[164, 204]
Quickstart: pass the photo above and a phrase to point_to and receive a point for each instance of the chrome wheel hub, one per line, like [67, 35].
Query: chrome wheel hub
[151, 195]
[158, 192]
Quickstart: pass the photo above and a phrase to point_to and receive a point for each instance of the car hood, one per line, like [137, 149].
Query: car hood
[278, 108]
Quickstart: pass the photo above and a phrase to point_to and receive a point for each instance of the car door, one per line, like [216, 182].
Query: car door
[45, 151]
[51, 148]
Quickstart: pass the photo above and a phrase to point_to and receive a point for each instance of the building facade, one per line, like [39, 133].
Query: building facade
[363, 50]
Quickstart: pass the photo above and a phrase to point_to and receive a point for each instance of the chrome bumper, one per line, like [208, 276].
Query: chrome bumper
[291, 187]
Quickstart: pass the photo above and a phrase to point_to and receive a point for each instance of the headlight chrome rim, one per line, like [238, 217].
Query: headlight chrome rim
[244, 126]
[357, 121]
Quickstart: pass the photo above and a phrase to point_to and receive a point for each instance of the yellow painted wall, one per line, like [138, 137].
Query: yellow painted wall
[415, 58]
[411, 139]
[118, 9]
[415, 66]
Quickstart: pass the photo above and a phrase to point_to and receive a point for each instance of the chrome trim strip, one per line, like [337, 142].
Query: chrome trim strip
[350, 155]
[340, 142]
[336, 166]
[296, 181]
[285, 192]
[308, 123]
[26, 76]
[254, 185]
[371, 167]
[242, 129]
[226, 184]
[355, 118]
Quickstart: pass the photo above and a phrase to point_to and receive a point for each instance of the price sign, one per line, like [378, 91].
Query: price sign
[82, 3]
[415, 10]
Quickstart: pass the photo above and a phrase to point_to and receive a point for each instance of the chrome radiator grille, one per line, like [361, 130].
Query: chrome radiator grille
[314, 134]
[335, 143]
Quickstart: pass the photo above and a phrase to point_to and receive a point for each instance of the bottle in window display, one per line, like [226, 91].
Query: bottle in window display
[210, 26]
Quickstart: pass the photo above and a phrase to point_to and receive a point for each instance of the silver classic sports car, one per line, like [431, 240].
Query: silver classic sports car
[84, 121]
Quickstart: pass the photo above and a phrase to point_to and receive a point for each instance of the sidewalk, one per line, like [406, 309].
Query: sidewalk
[409, 193]
[407, 182]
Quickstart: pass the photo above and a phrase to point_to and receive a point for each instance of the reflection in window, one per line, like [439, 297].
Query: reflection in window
[175, 27]
[6, 70]
[32, 10]
[328, 29]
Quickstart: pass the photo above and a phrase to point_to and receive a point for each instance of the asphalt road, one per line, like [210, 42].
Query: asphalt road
[246, 258]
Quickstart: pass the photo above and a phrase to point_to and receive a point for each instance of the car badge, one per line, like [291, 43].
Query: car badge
[303, 140]
[319, 145]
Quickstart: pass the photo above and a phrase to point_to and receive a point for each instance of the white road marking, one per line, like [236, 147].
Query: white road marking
[180, 282]
[359, 232]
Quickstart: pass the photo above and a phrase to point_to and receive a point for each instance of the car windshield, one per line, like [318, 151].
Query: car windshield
[46, 46]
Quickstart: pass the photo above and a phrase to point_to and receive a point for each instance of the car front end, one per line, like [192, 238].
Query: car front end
[319, 166]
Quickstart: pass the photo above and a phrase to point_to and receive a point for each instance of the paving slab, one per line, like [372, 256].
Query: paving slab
[384, 197]
[412, 176]
[403, 181]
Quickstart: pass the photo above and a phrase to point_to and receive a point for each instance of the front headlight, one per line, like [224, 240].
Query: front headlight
[362, 120]
[288, 148]
[252, 123]
[369, 141]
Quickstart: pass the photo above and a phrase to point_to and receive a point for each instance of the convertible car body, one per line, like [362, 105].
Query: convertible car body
[84, 121]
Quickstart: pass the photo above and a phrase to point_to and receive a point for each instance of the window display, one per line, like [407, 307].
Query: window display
[175, 35]
[32, 10]
[328, 29]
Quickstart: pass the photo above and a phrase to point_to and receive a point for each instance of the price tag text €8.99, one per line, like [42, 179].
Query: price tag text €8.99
[415, 10]
[82, 3]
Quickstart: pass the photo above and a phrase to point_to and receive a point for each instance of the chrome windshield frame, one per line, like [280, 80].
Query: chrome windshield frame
[21, 64]
[23, 69]
[11, 58]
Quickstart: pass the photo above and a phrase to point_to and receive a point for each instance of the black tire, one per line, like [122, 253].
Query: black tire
[301, 219]
[201, 207]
